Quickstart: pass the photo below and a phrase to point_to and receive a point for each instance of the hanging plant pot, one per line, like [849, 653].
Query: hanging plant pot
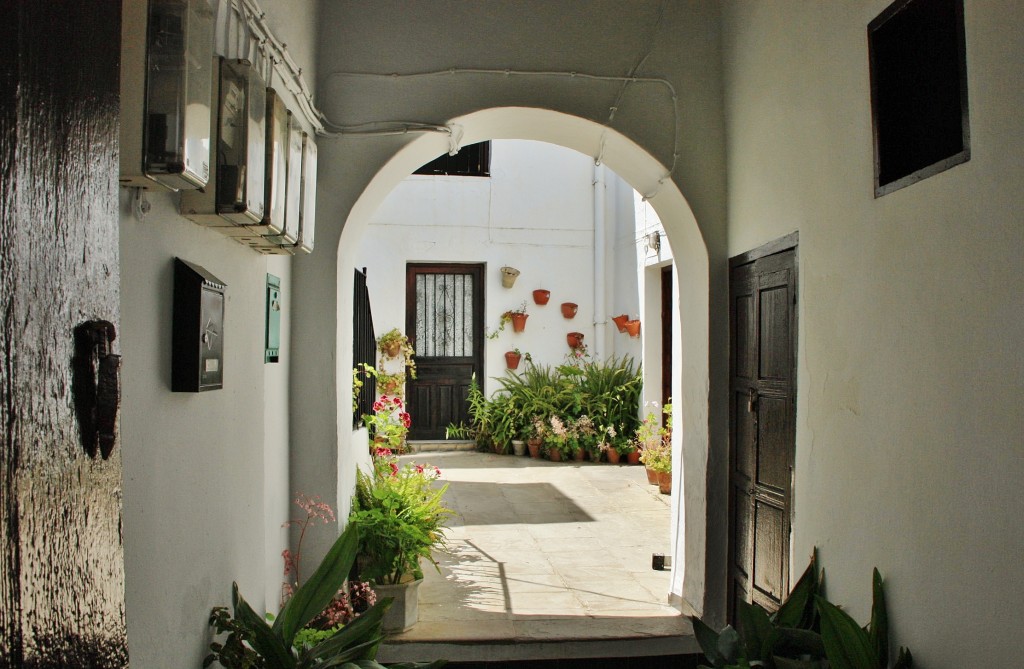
[519, 322]
[541, 296]
[509, 276]
[569, 309]
[633, 328]
[574, 339]
[512, 359]
[620, 321]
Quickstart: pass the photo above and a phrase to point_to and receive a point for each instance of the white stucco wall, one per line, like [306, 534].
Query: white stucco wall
[910, 431]
[535, 212]
[206, 475]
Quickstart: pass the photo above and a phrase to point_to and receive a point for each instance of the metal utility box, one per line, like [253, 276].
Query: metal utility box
[307, 210]
[197, 357]
[273, 329]
[166, 80]
[293, 192]
[241, 143]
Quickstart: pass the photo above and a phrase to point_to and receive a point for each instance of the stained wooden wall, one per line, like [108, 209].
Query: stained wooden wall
[62, 580]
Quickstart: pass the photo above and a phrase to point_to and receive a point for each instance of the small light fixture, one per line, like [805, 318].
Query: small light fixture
[653, 241]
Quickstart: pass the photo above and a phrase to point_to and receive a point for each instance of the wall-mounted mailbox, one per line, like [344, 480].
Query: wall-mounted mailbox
[241, 143]
[197, 358]
[273, 329]
[166, 83]
[307, 210]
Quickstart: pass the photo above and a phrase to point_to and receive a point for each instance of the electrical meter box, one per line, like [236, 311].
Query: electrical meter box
[307, 207]
[276, 182]
[293, 192]
[241, 143]
[166, 81]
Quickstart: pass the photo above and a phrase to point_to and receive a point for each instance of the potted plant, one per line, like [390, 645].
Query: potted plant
[393, 343]
[536, 431]
[633, 328]
[253, 640]
[574, 339]
[658, 459]
[569, 309]
[509, 276]
[806, 632]
[541, 296]
[620, 321]
[389, 423]
[400, 517]
[517, 317]
[513, 357]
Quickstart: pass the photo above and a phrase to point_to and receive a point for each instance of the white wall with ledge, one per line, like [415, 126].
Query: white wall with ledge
[535, 213]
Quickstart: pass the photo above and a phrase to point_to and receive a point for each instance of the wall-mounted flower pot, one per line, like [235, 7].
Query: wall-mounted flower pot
[620, 321]
[519, 322]
[541, 296]
[512, 359]
[633, 328]
[574, 339]
[509, 276]
[569, 309]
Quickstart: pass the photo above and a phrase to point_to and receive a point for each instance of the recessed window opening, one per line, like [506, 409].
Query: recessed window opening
[471, 161]
[918, 91]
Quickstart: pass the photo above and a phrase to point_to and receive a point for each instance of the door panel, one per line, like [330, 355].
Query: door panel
[762, 423]
[444, 318]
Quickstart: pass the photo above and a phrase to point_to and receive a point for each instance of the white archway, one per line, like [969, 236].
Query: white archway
[691, 374]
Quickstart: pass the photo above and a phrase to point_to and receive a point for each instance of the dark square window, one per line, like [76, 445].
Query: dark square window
[471, 161]
[918, 91]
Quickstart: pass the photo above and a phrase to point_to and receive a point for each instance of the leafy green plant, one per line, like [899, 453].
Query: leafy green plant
[505, 319]
[255, 643]
[807, 632]
[392, 344]
[400, 516]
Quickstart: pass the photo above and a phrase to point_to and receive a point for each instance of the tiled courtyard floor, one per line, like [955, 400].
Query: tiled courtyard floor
[546, 560]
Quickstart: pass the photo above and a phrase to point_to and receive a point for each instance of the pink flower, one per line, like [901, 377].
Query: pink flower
[405, 418]
[289, 561]
[382, 452]
[394, 468]
[419, 469]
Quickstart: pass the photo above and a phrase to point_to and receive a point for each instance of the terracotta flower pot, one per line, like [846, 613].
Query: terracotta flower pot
[569, 309]
[533, 445]
[579, 455]
[665, 483]
[554, 455]
[620, 321]
[633, 457]
[512, 359]
[574, 339]
[613, 456]
[519, 322]
[633, 328]
[509, 276]
[392, 349]
[541, 296]
[652, 476]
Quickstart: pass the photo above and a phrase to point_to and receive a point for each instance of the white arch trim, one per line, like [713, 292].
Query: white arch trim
[690, 373]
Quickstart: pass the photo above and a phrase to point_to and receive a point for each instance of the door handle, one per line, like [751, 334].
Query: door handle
[95, 386]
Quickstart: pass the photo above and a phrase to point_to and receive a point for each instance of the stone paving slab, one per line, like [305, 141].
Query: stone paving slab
[545, 560]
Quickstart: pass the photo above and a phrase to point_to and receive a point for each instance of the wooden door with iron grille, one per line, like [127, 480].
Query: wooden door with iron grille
[762, 417]
[444, 320]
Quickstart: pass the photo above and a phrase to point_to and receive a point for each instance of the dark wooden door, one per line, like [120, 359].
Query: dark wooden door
[61, 556]
[762, 292]
[666, 335]
[444, 319]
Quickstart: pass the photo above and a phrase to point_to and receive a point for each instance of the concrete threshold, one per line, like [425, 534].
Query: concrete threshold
[545, 561]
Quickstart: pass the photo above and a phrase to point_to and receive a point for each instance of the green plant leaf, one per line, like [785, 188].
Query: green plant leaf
[730, 645]
[847, 646]
[317, 592]
[798, 609]
[878, 629]
[756, 630]
[707, 638]
[788, 663]
[364, 632]
[904, 660]
[796, 642]
[264, 640]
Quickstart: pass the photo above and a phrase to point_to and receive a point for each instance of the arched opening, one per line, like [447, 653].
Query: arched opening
[690, 374]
